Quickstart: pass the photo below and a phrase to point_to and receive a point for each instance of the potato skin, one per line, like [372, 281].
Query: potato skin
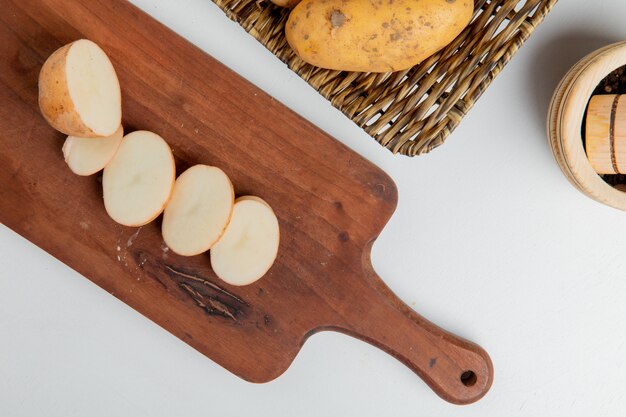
[290, 4]
[374, 35]
[55, 102]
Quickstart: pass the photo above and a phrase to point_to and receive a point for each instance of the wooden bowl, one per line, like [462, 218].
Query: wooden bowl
[565, 122]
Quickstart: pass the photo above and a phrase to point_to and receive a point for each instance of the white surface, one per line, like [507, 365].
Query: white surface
[509, 255]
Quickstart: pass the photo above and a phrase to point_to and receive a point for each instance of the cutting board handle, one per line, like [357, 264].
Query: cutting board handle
[457, 370]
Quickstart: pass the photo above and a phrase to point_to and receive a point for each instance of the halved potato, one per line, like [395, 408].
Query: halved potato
[79, 93]
[138, 181]
[199, 210]
[249, 245]
[86, 156]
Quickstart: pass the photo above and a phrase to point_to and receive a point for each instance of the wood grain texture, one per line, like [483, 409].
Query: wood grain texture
[330, 202]
[565, 123]
[605, 134]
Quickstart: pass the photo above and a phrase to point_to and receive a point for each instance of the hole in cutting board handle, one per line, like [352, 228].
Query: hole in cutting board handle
[469, 378]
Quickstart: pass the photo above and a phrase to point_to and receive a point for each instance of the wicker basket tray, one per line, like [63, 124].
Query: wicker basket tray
[409, 112]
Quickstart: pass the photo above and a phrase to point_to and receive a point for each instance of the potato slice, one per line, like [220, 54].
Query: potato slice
[199, 210]
[79, 93]
[138, 181]
[253, 198]
[249, 245]
[86, 156]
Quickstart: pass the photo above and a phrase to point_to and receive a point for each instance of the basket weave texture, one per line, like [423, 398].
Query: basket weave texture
[409, 112]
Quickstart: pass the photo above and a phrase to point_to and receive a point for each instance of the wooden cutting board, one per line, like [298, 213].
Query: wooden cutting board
[331, 204]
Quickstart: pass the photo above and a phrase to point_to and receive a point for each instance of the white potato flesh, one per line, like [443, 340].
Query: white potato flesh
[138, 181]
[93, 87]
[79, 93]
[198, 211]
[253, 198]
[248, 247]
[86, 156]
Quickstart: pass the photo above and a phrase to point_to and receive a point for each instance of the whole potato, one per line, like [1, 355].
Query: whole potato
[374, 35]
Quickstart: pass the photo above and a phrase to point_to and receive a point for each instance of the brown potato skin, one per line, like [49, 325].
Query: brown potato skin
[374, 35]
[290, 4]
[54, 98]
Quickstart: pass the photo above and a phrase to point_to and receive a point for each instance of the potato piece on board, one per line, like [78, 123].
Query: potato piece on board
[138, 181]
[86, 156]
[198, 211]
[249, 245]
[79, 93]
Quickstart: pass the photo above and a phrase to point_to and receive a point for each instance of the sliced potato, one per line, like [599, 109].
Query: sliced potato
[138, 181]
[79, 93]
[253, 198]
[249, 245]
[86, 156]
[199, 210]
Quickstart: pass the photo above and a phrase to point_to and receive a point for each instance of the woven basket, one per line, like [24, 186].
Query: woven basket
[409, 112]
